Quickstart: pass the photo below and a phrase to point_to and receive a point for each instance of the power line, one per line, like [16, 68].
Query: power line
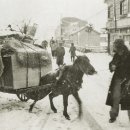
[99, 12]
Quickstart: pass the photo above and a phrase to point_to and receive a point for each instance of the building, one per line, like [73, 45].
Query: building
[85, 37]
[118, 23]
[68, 25]
[79, 32]
[103, 39]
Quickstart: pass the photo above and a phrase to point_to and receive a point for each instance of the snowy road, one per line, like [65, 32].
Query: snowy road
[14, 114]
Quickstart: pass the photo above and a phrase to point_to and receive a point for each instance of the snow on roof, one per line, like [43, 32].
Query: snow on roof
[83, 28]
[8, 33]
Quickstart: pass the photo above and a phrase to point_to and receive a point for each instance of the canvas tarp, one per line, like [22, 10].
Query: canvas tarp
[28, 55]
[28, 63]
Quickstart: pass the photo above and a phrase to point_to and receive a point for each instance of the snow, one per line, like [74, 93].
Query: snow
[14, 114]
[96, 89]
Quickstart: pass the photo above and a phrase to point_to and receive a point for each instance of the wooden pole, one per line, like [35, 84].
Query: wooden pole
[115, 16]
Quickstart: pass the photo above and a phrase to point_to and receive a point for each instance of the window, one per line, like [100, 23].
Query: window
[123, 7]
[110, 12]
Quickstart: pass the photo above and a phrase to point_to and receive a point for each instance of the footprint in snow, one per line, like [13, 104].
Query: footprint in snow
[54, 119]
[48, 113]
[62, 121]
[68, 128]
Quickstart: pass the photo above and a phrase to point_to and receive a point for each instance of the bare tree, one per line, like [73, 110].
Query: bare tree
[24, 28]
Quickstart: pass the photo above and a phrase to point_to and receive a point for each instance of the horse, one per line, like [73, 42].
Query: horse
[69, 83]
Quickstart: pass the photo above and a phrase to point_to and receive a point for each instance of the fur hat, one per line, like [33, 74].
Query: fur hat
[119, 46]
[119, 42]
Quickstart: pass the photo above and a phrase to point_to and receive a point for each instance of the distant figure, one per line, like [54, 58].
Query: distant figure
[60, 52]
[10, 28]
[52, 40]
[72, 52]
[53, 46]
[44, 44]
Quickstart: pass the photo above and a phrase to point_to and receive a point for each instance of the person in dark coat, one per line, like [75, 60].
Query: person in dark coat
[120, 64]
[60, 52]
[72, 51]
[53, 45]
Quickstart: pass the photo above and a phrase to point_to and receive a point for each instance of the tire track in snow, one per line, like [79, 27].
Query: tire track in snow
[41, 120]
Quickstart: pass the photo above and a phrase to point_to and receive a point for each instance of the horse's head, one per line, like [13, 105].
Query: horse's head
[83, 63]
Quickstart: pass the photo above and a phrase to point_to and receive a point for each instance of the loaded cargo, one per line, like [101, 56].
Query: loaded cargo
[22, 64]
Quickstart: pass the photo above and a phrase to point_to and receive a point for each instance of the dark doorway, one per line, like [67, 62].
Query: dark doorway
[7, 75]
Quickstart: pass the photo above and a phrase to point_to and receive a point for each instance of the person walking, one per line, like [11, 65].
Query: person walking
[72, 51]
[53, 46]
[120, 64]
[60, 52]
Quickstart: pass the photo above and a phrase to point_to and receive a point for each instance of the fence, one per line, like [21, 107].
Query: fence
[97, 49]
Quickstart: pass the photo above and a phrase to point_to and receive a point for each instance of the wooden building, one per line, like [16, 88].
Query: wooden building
[118, 23]
[86, 37]
[79, 32]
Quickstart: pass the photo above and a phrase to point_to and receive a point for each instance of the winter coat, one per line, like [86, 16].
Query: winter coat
[53, 46]
[122, 72]
[60, 52]
[72, 50]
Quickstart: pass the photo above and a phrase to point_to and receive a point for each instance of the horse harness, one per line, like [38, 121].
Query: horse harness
[70, 82]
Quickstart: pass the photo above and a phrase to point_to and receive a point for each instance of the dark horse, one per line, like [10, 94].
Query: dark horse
[69, 83]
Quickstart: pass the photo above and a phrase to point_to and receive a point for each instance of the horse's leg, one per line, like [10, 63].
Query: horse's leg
[65, 101]
[51, 96]
[76, 96]
[32, 105]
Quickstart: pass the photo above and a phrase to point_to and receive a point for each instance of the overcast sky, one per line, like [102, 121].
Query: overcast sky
[47, 13]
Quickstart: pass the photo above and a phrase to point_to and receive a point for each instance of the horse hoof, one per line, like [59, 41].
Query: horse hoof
[30, 111]
[67, 117]
[55, 111]
[80, 116]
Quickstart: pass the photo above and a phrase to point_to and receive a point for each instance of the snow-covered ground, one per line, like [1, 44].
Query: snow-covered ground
[94, 94]
[14, 114]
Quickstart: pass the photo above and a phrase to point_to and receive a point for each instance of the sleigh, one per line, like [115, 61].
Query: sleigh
[21, 67]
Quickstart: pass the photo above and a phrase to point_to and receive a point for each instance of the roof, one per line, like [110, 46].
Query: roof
[4, 33]
[20, 46]
[26, 52]
[70, 20]
[83, 28]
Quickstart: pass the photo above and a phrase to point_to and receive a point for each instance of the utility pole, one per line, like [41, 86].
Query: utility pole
[108, 42]
[115, 16]
[115, 26]
[61, 31]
